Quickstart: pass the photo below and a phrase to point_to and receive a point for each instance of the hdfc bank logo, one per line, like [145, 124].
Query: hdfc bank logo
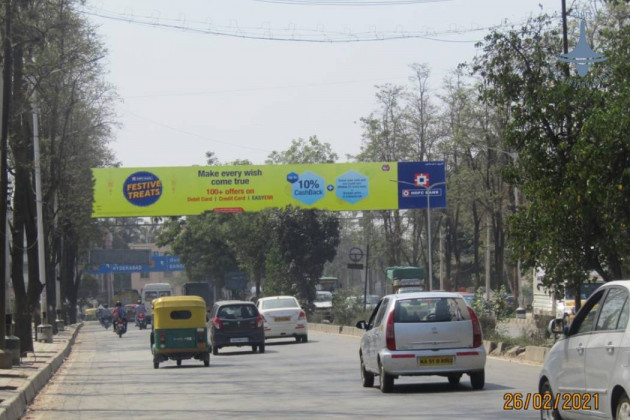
[421, 180]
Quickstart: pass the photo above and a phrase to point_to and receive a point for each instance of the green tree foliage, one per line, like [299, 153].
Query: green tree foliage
[201, 243]
[304, 241]
[573, 151]
[304, 151]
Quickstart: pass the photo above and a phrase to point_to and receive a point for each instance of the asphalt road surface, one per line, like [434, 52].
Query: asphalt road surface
[107, 377]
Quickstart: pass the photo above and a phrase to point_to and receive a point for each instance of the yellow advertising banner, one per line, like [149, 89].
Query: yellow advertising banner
[174, 191]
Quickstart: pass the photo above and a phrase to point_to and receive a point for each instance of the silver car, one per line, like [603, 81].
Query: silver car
[587, 373]
[426, 333]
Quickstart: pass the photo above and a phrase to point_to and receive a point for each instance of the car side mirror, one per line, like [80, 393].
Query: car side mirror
[557, 326]
[362, 325]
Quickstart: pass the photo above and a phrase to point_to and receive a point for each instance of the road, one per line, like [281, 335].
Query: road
[109, 377]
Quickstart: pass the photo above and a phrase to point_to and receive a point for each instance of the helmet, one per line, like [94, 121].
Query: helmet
[118, 303]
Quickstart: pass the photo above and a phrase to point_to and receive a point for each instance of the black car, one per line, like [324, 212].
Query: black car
[236, 323]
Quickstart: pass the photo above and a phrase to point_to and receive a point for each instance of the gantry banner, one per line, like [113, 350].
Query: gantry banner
[178, 191]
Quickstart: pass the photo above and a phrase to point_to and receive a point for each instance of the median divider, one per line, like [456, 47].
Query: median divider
[532, 354]
[20, 384]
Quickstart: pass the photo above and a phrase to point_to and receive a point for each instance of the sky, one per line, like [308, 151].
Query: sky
[243, 78]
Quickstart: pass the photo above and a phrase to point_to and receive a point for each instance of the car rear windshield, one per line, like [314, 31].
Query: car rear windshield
[279, 303]
[442, 309]
[237, 311]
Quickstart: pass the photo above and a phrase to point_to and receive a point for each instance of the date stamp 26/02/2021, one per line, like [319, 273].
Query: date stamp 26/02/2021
[536, 401]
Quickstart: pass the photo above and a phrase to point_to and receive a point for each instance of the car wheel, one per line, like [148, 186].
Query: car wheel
[623, 408]
[454, 379]
[387, 381]
[254, 348]
[367, 378]
[206, 359]
[545, 388]
[298, 338]
[478, 379]
[156, 363]
[261, 348]
[215, 350]
[179, 362]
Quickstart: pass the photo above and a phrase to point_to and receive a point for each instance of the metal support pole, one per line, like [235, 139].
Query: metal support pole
[40, 215]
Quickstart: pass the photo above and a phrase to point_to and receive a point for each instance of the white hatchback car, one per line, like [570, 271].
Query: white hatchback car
[283, 318]
[588, 372]
[426, 333]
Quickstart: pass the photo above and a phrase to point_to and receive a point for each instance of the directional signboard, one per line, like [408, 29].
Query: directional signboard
[158, 263]
[139, 192]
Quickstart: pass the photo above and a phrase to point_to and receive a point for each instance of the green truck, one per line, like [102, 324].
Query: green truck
[405, 279]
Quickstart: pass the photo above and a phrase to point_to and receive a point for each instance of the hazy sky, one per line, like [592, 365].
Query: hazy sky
[186, 91]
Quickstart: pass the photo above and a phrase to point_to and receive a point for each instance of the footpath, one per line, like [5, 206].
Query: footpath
[20, 384]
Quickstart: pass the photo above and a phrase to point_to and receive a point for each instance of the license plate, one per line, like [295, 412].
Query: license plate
[282, 318]
[239, 340]
[435, 361]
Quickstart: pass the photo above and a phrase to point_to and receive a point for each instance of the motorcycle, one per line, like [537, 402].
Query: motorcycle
[121, 328]
[141, 322]
[106, 322]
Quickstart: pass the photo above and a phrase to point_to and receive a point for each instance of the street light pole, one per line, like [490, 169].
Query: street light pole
[428, 193]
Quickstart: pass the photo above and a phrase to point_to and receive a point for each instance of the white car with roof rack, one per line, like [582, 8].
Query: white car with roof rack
[425, 333]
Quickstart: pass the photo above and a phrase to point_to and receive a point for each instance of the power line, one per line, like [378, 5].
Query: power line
[349, 2]
[256, 89]
[227, 143]
[290, 33]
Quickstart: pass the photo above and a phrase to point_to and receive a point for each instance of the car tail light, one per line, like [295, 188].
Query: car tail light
[302, 316]
[216, 322]
[200, 334]
[260, 320]
[140, 316]
[477, 338]
[390, 337]
[162, 337]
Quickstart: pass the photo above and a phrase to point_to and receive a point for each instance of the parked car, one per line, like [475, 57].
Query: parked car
[283, 318]
[426, 333]
[236, 323]
[587, 371]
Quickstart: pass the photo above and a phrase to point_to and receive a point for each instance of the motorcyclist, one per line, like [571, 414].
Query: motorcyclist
[104, 316]
[140, 309]
[119, 313]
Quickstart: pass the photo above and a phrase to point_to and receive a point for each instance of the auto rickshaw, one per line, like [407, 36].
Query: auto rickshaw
[179, 330]
[90, 314]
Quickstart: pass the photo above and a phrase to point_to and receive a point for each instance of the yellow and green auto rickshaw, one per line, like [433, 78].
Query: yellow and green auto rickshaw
[179, 330]
[90, 314]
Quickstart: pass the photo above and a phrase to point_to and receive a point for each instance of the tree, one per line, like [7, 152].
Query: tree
[303, 151]
[303, 240]
[573, 156]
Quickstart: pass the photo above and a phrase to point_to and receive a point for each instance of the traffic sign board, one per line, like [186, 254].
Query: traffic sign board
[355, 266]
[356, 254]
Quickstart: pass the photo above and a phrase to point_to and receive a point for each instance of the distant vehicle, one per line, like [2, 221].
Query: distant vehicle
[323, 304]
[404, 276]
[329, 284]
[562, 306]
[199, 288]
[427, 333]
[410, 289]
[127, 296]
[283, 318]
[236, 323]
[153, 291]
[357, 301]
[591, 361]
